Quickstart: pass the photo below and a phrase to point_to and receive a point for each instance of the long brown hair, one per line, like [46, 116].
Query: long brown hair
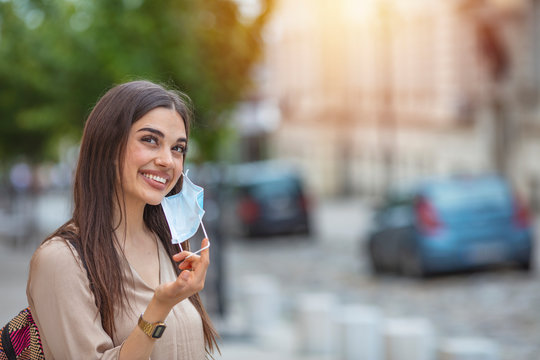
[94, 194]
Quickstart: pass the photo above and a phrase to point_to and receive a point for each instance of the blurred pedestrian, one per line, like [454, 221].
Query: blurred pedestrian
[106, 284]
[20, 176]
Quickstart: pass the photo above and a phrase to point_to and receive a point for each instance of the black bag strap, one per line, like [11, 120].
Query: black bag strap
[7, 346]
[76, 246]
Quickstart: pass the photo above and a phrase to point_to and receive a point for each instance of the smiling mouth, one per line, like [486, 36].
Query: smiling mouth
[155, 178]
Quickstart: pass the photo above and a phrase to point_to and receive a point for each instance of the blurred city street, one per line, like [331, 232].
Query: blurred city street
[500, 305]
[339, 143]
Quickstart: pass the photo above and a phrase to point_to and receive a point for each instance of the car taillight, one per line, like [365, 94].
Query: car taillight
[248, 210]
[427, 216]
[521, 213]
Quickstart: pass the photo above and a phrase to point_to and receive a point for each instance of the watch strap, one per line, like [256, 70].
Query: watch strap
[153, 330]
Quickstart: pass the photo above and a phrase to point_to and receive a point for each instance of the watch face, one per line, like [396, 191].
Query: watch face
[158, 331]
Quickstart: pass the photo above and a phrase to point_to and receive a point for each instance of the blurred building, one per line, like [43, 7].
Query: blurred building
[374, 92]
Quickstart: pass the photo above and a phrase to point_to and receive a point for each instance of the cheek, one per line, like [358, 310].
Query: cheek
[135, 157]
[128, 166]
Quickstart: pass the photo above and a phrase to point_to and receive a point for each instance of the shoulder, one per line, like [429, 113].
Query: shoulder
[55, 247]
[56, 270]
[55, 254]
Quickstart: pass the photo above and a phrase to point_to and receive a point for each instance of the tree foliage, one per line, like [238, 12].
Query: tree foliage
[58, 56]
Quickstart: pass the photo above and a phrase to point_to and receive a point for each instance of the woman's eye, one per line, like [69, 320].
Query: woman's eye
[179, 148]
[149, 139]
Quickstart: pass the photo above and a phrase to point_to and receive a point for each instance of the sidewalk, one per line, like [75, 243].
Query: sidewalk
[13, 275]
[338, 223]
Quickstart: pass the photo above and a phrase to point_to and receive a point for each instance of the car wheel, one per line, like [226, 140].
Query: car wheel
[376, 267]
[305, 230]
[526, 265]
[411, 264]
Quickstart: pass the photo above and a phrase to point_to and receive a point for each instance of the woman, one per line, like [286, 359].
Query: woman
[105, 284]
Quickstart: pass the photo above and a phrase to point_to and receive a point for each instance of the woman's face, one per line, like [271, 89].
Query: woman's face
[154, 156]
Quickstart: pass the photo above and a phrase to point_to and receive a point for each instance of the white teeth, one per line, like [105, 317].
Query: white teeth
[156, 178]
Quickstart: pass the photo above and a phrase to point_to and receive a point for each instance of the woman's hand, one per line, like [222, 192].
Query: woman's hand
[189, 282]
[191, 279]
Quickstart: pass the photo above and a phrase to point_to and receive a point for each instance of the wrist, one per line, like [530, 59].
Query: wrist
[156, 311]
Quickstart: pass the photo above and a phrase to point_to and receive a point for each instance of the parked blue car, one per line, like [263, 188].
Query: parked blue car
[451, 224]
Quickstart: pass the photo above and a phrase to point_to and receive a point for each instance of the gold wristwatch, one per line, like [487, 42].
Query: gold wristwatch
[154, 330]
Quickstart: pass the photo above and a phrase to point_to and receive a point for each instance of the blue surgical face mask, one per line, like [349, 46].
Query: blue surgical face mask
[184, 211]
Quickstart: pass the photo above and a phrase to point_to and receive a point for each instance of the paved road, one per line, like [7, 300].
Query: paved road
[501, 305]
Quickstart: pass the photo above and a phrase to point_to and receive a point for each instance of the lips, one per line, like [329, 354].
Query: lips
[157, 180]
[155, 177]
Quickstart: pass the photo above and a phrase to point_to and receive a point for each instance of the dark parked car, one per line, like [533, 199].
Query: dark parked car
[451, 224]
[264, 198]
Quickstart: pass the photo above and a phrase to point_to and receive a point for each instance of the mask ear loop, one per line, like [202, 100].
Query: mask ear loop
[204, 230]
[204, 248]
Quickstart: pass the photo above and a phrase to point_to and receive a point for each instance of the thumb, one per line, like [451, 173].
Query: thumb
[185, 275]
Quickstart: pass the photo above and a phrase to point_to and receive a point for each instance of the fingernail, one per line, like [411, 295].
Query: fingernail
[185, 275]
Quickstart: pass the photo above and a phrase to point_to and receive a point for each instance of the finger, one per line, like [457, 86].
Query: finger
[204, 246]
[188, 262]
[205, 249]
[191, 281]
[181, 256]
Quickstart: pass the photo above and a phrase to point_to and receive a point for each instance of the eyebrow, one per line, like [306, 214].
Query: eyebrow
[160, 134]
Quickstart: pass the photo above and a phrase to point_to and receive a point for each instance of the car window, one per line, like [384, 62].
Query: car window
[456, 195]
[398, 216]
[397, 212]
[275, 188]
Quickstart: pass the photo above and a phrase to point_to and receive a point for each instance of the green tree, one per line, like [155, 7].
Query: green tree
[58, 56]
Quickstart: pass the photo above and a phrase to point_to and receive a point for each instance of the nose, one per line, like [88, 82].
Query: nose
[164, 159]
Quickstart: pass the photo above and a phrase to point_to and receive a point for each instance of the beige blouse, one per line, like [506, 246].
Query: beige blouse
[68, 321]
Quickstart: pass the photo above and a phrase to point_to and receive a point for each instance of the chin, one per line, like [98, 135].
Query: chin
[155, 197]
[154, 201]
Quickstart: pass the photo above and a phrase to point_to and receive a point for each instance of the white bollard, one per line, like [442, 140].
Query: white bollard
[360, 333]
[315, 323]
[409, 339]
[468, 348]
[263, 304]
